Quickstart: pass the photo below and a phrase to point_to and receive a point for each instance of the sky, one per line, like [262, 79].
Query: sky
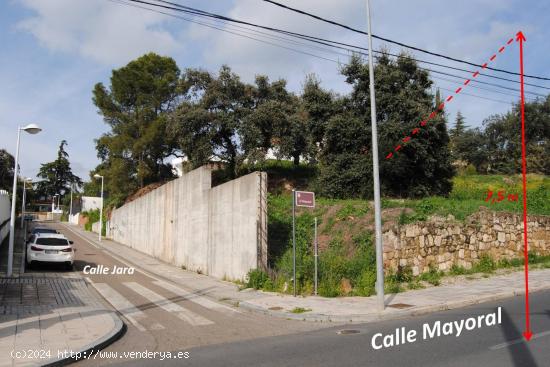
[55, 51]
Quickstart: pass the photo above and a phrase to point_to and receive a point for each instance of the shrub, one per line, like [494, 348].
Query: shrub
[256, 279]
[458, 270]
[432, 276]
[486, 264]
[365, 284]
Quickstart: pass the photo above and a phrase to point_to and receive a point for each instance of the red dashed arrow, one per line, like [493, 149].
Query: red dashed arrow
[423, 123]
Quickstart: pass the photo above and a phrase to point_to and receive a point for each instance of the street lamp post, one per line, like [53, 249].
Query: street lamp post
[101, 207]
[31, 129]
[25, 180]
[71, 204]
[53, 204]
[376, 178]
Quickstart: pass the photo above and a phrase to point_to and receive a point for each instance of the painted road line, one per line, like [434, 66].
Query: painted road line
[204, 302]
[518, 341]
[81, 236]
[121, 304]
[220, 306]
[181, 312]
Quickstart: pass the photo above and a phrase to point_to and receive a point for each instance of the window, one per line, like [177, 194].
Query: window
[52, 241]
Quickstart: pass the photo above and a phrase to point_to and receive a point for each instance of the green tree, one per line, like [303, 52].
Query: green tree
[6, 170]
[423, 166]
[209, 122]
[345, 164]
[459, 128]
[320, 106]
[57, 176]
[136, 107]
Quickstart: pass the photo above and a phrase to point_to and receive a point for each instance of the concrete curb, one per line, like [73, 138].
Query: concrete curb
[394, 315]
[116, 333]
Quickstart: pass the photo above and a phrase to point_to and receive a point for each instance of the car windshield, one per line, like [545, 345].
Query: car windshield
[44, 230]
[52, 241]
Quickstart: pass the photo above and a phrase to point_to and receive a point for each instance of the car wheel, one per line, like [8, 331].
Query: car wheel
[30, 265]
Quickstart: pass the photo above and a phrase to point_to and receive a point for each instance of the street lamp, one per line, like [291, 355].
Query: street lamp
[101, 207]
[25, 180]
[31, 129]
[53, 204]
[376, 177]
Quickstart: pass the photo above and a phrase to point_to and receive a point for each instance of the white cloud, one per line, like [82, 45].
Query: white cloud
[103, 31]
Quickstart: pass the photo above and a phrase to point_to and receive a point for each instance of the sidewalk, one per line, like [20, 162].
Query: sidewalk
[341, 309]
[18, 253]
[46, 316]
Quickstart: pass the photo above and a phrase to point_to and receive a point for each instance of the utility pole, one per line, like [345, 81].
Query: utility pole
[376, 177]
[71, 204]
[294, 241]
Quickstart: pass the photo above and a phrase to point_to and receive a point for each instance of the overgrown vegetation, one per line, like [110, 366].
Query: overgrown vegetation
[347, 256]
[93, 217]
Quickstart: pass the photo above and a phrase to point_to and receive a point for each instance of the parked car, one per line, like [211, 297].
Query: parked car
[50, 248]
[37, 230]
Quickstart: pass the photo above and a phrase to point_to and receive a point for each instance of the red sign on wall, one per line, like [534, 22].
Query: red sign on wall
[305, 198]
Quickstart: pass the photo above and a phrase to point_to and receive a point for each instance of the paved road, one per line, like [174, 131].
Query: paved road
[161, 316]
[500, 346]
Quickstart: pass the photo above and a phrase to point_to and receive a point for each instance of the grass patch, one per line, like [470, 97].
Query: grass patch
[347, 256]
[433, 276]
[300, 310]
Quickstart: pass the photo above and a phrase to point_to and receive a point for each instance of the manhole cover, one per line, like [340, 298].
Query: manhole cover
[400, 305]
[347, 331]
[276, 308]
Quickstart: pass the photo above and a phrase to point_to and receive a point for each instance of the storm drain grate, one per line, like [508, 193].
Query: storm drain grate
[400, 305]
[276, 308]
[347, 332]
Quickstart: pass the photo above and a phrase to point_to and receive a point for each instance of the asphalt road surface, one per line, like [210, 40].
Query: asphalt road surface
[164, 321]
[160, 316]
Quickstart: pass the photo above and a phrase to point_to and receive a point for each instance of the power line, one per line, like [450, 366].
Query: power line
[395, 42]
[476, 96]
[283, 39]
[326, 42]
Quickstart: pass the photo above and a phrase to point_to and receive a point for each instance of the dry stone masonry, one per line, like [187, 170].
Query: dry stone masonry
[444, 242]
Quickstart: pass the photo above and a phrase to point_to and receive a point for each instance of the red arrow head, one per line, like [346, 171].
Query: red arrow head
[520, 37]
[527, 335]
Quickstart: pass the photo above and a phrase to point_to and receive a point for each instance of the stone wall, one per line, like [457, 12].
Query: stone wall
[442, 242]
[218, 231]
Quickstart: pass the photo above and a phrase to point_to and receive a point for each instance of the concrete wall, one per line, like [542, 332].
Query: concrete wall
[90, 203]
[444, 242]
[5, 208]
[74, 218]
[218, 231]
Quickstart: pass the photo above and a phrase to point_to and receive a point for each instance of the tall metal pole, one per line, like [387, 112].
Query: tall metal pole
[23, 203]
[316, 253]
[376, 177]
[294, 239]
[13, 198]
[71, 204]
[101, 211]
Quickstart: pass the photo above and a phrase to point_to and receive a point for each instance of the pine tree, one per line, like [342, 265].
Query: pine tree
[57, 176]
[460, 127]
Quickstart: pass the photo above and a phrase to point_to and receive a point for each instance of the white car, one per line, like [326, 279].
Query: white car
[51, 248]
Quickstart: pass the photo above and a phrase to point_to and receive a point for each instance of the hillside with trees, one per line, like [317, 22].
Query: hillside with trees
[321, 142]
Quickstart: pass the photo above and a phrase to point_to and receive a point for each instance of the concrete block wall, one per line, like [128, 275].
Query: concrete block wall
[217, 231]
[5, 209]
